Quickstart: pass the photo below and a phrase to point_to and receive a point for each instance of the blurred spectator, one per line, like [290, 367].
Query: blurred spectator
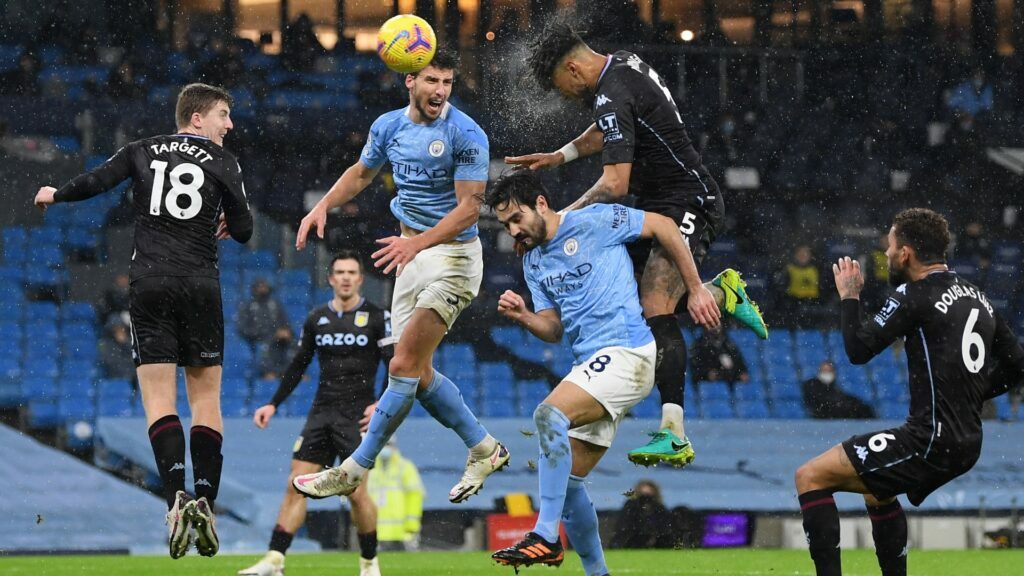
[971, 97]
[644, 522]
[225, 68]
[23, 80]
[114, 302]
[275, 355]
[876, 275]
[824, 400]
[800, 304]
[381, 90]
[260, 318]
[299, 45]
[396, 488]
[974, 244]
[716, 357]
[122, 83]
[115, 349]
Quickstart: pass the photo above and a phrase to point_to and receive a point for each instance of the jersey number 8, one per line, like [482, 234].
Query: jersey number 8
[178, 188]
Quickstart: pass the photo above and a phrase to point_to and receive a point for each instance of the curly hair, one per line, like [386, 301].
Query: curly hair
[520, 186]
[924, 230]
[556, 41]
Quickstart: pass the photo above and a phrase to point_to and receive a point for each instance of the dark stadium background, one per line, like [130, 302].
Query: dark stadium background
[820, 120]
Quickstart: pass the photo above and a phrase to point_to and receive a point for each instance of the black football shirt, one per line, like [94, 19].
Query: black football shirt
[958, 351]
[181, 185]
[641, 124]
[350, 346]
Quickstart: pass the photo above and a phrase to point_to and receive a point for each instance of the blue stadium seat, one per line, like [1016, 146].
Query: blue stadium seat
[78, 312]
[1007, 252]
[784, 389]
[42, 414]
[788, 409]
[41, 368]
[1003, 408]
[531, 394]
[499, 408]
[649, 407]
[72, 331]
[261, 261]
[892, 410]
[752, 409]
[509, 337]
[294, 277]
[889, 389]
[76, 383]
[263, 390]
[750, 391]
[714, 391]
[10, 393]
[114, 388]
[496, 372]
[76, 408]
[232, 406]
[115, 406]
[716, 409]
[504, 391]
[38, 311]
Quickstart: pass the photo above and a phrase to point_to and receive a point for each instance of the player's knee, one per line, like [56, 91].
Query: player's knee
[806, 478]
[404, 365]
[543, 415]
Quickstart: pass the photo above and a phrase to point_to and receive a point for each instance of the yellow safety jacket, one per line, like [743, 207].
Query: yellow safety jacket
[396, 488]
[803, 282]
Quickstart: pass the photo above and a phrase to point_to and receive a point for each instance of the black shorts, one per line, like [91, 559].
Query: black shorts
[330, 433]
[891, 462]
[177, 320]
[699, 219]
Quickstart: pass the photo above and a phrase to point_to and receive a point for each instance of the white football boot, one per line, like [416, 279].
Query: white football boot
[477, 470]
[272, 564]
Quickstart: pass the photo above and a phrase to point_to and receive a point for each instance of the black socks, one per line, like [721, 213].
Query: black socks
[168, 441]
[889, 530]
[670, 372]
[280, 539]
[368, 545]
[821, 525]
[206, 461]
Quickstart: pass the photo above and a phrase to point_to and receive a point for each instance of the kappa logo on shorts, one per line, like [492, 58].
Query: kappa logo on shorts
[570, 247]
[862, 453]
[362, 319]
[436, 148]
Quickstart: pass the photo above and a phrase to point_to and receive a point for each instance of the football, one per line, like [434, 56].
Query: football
[406, 43]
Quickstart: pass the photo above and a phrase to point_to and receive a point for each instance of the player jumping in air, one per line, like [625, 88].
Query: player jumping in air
[960, 353]
[581, 280]
[187, 193]
[439, 157]
[351, 336]
[647, 153]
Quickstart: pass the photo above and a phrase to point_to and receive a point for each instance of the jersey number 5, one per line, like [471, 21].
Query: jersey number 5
[972, 341]
[178, 188]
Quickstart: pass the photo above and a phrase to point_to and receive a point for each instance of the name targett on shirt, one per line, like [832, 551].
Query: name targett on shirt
[956, 292]
[183, 147]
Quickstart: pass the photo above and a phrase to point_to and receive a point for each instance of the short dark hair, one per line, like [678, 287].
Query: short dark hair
[520, 186]
[198, 98]
[924, 230]
[444, 59]
[346, 254]
[556, 41]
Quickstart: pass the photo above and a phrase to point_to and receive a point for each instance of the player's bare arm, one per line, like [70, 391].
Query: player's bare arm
[586, 144]
[610, 187]
[349, 185]
[546, 324]
[398, 251]
[701, 303]
[849, 280]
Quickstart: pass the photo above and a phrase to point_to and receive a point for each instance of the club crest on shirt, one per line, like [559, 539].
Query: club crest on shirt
[362, 319]
[436, 148]
[570, 247]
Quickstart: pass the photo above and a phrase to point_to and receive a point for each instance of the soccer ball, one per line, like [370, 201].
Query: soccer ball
[406, 43]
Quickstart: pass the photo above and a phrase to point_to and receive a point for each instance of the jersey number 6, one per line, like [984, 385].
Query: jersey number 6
[971, 341]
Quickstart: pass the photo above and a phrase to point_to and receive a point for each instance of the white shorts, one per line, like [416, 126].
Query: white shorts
[619, 378]
[444, 279]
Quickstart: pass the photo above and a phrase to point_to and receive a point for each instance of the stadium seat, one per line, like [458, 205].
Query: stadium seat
[78, 383]
[233, 406]
[41, 414]
[40, 311]
[78, 312]
[716, 409]
[648, 408]
[498, 408]
[750, 391]
[10, 393]
[892, 410]
[504, 391]
[752, 409]
[710, 391]
[1004, 410]
[784, 389]
[76, 408]
[788, 409]
[114, 388]
[115, 406]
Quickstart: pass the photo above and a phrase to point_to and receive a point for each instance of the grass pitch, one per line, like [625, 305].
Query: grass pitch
[735, 562]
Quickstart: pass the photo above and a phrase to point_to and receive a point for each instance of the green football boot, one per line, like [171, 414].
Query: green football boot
[665, 447]
[738, 304]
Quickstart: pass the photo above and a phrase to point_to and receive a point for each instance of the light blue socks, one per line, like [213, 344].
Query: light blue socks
[392, 408]
[444, 402]
[553, 469]
[580, 520]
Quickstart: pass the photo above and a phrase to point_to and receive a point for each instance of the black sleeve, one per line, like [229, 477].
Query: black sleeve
[616, 118]
[386, 343]
[236, 205]
[1008, 372]
[864, 340]
[297, 367]
[98, 180]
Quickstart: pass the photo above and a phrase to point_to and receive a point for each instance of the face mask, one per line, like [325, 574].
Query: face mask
[827, 377]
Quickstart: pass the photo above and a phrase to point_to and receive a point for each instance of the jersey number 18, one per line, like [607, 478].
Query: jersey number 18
[178, 188]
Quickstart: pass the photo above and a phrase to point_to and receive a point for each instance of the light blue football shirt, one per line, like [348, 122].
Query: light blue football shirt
[427, 159]
[585, 273]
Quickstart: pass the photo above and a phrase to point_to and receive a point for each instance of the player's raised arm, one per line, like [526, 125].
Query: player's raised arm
[701, 303]
[98, 180]
[546, 324]
[586, 144]
[864, 339]
[353, 181]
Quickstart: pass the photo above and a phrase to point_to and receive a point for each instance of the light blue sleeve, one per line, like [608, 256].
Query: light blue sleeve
[614, 224]
[540, 298]
[374, 155]
[472, 153]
